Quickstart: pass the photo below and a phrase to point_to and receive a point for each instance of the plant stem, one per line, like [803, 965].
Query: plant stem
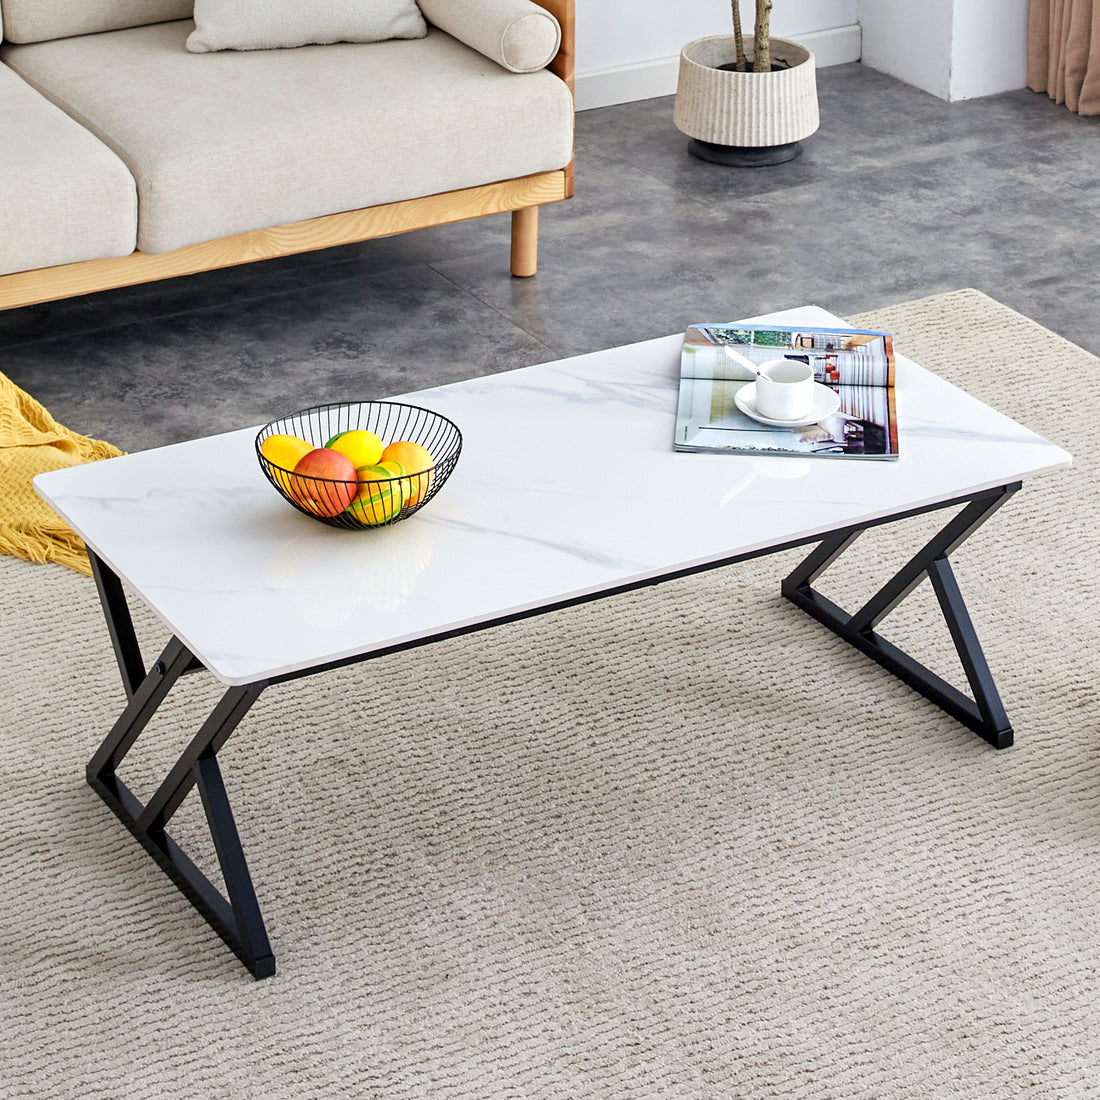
[738, 37]
[761, 38]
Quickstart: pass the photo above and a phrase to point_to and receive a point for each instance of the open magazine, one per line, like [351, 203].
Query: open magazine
[857, 364]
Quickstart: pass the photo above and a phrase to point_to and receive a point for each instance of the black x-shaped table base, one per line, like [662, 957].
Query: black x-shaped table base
[236, 917]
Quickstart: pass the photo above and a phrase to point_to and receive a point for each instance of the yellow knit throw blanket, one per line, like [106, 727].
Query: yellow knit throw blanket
[31, 442]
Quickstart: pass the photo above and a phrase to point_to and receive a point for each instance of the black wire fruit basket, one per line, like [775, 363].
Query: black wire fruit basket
[359, 488]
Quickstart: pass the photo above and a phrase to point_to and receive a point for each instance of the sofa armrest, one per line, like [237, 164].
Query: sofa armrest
[520, 35]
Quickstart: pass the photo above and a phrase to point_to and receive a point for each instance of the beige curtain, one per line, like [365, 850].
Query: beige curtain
[1063, 52]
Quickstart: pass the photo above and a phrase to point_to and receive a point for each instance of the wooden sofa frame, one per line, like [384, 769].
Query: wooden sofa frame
[522, 196]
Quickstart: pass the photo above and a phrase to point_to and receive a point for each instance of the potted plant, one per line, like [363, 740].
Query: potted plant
[742, 112]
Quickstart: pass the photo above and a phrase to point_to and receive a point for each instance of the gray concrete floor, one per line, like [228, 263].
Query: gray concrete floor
[899, 195]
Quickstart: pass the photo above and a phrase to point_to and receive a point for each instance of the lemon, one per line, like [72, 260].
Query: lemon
[362, 447]
[284, 450]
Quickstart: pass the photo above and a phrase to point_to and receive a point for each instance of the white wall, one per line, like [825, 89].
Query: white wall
[988, 47]
[955, 49]
[630, 49]
[909, 39]
[611, 33]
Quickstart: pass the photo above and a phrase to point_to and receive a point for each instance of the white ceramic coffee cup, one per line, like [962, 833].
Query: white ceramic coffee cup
[784, 389]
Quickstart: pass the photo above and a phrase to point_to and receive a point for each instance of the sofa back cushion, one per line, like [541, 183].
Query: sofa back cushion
[65, 196]
[279, 24]
[41, 20]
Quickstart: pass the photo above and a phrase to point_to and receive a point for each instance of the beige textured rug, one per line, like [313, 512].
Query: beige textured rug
[604, 853]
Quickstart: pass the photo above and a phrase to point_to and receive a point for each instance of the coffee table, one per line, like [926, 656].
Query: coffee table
[567, 490]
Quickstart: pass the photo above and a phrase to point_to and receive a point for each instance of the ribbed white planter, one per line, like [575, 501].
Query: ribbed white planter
[746, 110]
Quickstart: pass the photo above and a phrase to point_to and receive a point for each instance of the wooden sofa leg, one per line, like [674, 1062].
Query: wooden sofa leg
[525, 241]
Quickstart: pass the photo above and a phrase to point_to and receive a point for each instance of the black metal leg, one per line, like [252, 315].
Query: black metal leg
[984, 714]
[953, 535]
[969, 649]
[215, 731]
[250, 931]
[237, 920]
[143, 703]
[121, 627]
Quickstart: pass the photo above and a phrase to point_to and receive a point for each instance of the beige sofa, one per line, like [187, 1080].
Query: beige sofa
[128, 158]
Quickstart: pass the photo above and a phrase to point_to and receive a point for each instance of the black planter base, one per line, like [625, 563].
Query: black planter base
[744, 156]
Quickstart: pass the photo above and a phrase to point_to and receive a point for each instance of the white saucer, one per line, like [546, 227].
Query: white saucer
[826, 402]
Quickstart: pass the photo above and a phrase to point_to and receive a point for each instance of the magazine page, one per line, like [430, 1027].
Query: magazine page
[854, 357]
[856, 365]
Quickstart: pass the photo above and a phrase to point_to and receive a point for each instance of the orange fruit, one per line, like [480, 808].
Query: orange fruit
[418, 463]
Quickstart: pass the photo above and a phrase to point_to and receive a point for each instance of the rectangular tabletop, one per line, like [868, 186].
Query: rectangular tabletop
[567, 486]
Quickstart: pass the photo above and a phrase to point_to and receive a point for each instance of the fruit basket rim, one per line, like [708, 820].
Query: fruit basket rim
[302, 413]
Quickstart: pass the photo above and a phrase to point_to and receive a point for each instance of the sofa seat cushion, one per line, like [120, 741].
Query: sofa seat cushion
[220, 143]
[64, 196]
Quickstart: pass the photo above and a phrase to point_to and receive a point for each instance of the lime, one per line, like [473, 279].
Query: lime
[377, 503]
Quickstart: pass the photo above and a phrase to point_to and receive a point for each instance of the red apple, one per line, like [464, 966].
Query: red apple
[336, 489]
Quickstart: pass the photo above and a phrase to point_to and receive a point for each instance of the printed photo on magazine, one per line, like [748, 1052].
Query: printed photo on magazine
[856, 364]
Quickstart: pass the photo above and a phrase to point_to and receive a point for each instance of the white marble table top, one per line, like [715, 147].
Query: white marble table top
[567, 485]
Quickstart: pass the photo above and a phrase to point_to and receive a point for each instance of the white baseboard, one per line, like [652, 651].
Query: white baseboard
[837, 46]
[647, 79]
